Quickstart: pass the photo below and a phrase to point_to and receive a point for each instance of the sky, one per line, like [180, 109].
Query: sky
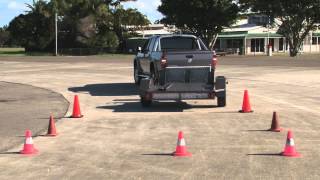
[12, 8]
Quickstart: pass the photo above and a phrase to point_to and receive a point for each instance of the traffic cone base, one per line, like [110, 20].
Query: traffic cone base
[291, 154]
[276, 130]
[52, 135]
[29, 152]
[80, 116]
[242, 111]
[186, 154]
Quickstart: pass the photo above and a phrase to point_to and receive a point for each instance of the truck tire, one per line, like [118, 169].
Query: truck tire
[145, 102]
[222, 95]
[221, 101]
[136, 74]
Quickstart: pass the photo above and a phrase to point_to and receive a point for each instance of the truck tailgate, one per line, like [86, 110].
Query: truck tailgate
[189, 58]
[189, 74]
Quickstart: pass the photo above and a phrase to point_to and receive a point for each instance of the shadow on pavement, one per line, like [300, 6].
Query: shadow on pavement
[265, 154]
[259, 130]
[9, 153]
[112, 89]
[158, 154]
[155, 107]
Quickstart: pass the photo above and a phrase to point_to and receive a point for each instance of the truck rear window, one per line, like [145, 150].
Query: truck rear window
[179, 43]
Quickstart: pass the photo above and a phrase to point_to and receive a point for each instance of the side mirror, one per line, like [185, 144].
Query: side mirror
[139, 49]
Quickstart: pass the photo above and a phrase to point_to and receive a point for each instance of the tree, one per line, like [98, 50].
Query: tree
[34, 30]
[4, 36]
[297, 17]
[82, 24]
[124, 18]
[204, 18]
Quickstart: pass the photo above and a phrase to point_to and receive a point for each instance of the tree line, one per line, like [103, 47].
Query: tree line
[81, 24]
[102, 23]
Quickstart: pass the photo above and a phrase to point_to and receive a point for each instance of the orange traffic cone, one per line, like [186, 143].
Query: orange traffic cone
[28, 147]
[181, 149]
[52, 127]
[76, 108]
[246, 108]
[275, 127]
[290, 149]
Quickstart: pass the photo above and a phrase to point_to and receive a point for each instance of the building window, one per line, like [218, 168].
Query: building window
[229, 43]
[318, 40]
[257, 45]
[314, 40]
[217, 44]
[281, 44]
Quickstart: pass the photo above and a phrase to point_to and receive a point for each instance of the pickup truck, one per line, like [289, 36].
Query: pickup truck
[177, 67]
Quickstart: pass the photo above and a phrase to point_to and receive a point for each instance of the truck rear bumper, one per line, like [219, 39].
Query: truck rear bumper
[180, 96]
[178, 91]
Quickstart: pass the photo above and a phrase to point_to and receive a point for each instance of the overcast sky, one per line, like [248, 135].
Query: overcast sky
[12, 8]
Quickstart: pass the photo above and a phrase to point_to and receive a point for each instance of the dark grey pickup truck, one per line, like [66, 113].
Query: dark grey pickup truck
[177, 67]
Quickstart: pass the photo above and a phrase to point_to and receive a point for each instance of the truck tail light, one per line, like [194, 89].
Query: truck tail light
[214, 61]
[164, 61]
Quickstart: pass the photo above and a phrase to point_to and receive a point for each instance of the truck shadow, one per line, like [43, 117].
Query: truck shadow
[155, 107]
[112, 89]
[131, 104]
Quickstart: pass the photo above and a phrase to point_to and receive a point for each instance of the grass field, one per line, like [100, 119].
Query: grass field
[21, 52]
[12, 51]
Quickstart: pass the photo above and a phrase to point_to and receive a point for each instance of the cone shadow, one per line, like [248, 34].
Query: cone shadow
[265, 154]
[158, 154]
[23, 136]
[226, 112]
[9, 153]
[45, 135]
[259, 130]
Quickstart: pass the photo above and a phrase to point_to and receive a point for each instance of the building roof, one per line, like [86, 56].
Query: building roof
[153, 32]
[242, 29]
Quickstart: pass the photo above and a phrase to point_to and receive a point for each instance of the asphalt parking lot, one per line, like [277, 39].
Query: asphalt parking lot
[118, 139]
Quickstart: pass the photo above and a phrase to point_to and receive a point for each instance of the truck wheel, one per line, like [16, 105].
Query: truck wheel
[220, 84]
[136, 74]
[145, 102]
[221, 101]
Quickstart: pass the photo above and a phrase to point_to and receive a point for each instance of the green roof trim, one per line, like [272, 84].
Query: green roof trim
[237, 35]
[262, 35]
[232, 36]
[233, 33]
[316, 34]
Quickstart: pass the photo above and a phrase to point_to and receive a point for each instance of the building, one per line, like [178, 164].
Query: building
[250, 37]
[156, 29]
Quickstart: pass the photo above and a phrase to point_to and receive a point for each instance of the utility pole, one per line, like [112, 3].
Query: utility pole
[56, 27]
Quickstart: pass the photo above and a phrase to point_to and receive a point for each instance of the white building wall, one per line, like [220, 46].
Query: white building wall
[248, 46]
[276, 45]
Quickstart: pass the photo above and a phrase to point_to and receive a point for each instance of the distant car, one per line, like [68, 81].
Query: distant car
[177, 67]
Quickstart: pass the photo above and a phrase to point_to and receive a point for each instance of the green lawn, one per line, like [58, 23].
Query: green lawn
[12, 51]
